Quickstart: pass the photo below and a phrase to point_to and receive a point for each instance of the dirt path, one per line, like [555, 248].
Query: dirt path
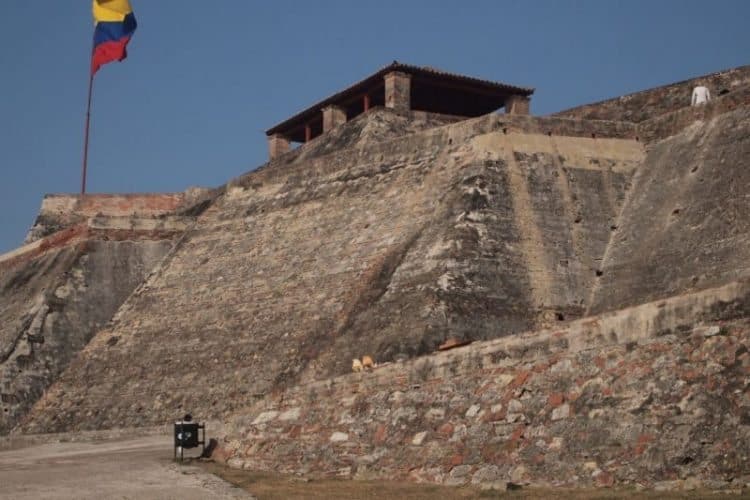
[125, 469]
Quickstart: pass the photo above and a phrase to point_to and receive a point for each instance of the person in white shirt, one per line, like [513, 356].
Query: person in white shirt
[701, 95]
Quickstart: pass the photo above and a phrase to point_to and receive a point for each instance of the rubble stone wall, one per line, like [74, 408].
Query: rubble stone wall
[655, 395]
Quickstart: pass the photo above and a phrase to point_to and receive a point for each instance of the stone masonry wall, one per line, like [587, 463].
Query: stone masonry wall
[669, 124]
[60, 211]
[54, 302]
[387, 247]
[637, 397]
[684, 225]
[379, 125]
[99, 227]
[641, 106]
[59, 290]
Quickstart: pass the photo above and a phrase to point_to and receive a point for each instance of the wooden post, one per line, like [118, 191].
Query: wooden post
[308, 133]
[366, 103]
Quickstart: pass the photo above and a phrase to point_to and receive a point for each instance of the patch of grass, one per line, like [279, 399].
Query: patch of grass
[269, 486]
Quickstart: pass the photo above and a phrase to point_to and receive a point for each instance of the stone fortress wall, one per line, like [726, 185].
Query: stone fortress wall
[654, 395]
[392, 234]
[82, 259]
[60, 211]
[684, 225]
[642, 106]
[470, 231]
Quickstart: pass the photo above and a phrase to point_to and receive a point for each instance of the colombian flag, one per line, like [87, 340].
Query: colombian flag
[115, 24]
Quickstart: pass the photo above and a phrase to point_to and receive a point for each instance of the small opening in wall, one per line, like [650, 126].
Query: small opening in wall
[560, 316]
[549, 133]
[593, 135]
[599, 272]
[505, 130]
[450, 141]
[578, 219]
[675, 211]
[637, 139]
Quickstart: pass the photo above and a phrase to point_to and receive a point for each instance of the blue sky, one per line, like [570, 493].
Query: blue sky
[205, 79]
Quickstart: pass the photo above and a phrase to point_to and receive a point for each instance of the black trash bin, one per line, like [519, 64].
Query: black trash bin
[186, 435]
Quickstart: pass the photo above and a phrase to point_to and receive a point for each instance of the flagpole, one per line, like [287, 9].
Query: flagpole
[86, 135]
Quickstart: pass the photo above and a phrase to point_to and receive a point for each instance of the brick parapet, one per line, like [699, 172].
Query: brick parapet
[142, 204]
[59, 211]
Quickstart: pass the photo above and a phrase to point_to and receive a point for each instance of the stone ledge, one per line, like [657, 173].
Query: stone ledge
[106, 228]
[635, 324]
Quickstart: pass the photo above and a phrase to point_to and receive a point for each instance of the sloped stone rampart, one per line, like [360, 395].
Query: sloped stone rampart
[54, 301]
[684, 225]
[655, 395]
[387, 247]
[57, 291]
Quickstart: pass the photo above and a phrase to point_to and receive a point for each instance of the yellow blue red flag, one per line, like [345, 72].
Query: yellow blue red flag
[114, 26]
